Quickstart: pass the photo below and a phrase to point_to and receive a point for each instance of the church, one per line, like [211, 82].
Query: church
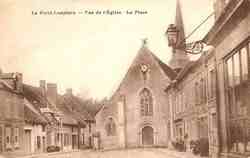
[138, 113]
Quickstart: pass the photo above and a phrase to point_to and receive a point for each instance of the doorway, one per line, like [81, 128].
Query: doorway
[27, 141]
[147, 136]
[74, 142]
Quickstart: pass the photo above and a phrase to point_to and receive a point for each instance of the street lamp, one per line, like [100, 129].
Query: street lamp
[191, 48]
[172, 34]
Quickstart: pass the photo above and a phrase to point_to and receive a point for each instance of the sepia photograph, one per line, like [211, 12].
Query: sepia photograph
[125, 79]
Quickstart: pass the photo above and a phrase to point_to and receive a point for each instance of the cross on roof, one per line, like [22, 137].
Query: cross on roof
[144, 41]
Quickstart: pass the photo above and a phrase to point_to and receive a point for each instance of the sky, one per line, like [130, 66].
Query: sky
[88, 52]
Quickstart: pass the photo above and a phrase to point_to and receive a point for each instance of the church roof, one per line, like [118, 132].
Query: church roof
[167, 69]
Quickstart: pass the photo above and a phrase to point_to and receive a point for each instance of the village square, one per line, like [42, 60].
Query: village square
[183, 108]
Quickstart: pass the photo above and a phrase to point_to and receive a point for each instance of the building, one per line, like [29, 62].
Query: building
[34, 128]
[230, 36]
[137, 115]
[193, 102]
[76, 106]
[69, 123]
[37, 97]
[62, 127]
[11, 113]
[192, 96]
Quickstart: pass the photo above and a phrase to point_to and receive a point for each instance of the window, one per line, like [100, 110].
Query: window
[237, 99]
[43, 128]
[66, 139]
[212, 84]
[236, 67]
[197, 98]
[185, 99]
[244, 63]
[82, 138]
[111, 127]
[146, 102]
[16, 137]
[204, 99]
[8, 136]
[214, 129]
[203, 127]
[38, 142]
[178, 102]
[202, 91]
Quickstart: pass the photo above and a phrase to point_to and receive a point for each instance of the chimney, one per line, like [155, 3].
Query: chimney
[69, 91]
[42, 85]
[19, 82]
[52, 92]
[16, 80]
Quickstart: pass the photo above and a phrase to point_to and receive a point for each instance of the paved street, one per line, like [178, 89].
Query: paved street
[130, 153]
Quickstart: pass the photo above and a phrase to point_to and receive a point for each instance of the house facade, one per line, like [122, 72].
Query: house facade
[64, 126]
[210, 95]
[193, 101]
[34, 129]
[230, 36]
[85, 121]
[11, 113]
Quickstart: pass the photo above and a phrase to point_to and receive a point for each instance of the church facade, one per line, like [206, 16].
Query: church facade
[137, 115]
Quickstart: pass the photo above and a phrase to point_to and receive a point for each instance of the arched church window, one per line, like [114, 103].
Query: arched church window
[146, 101]
[110, 127]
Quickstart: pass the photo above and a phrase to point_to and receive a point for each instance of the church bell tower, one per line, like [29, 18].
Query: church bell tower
[179, 57]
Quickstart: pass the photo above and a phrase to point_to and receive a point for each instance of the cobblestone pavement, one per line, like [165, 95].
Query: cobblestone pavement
[128, 153]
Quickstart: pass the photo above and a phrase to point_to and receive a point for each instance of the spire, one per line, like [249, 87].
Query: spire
[179, 57]
[179, 24]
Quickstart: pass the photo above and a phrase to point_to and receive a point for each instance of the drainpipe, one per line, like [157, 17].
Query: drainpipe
[217, 101]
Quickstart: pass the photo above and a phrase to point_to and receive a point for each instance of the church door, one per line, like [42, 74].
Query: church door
[147, 136]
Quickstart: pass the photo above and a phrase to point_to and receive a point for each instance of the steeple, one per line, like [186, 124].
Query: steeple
[179, 57]
[179, 25]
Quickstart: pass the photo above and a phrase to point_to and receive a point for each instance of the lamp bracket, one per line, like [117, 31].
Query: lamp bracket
[195, 47]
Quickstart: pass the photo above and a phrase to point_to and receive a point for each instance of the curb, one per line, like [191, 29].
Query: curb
[47, 154]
